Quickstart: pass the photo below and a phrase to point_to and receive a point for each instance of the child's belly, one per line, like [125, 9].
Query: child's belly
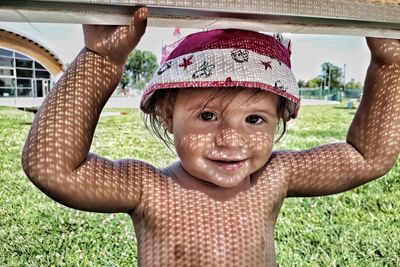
[207, 246]
[187, 228]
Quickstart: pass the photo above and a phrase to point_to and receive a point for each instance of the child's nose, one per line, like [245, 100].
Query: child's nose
[230, 137]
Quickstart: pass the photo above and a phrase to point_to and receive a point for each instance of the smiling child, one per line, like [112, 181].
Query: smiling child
[221, 94]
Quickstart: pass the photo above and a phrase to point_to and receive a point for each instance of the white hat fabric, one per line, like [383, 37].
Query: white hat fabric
[229, 58]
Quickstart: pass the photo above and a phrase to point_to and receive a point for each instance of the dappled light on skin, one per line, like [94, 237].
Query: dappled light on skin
[189, 225]
[175, 225]
[231, 138]
[56, 154]
[227, 156]
[115, 39]
[217, 142]
[373, 140]
[218, 205]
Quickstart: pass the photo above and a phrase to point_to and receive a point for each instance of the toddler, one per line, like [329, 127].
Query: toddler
[221, 94]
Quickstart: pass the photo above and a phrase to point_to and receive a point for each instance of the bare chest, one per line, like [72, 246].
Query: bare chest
[181, 227]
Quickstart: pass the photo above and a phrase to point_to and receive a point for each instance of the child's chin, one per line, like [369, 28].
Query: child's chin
[227, 182]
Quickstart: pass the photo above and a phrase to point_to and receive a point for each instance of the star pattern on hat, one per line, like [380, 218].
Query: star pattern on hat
[228, 79]
[279, 85]
[164, 68]
[204, 70]
[240, 55]
[267, 64]
[186, 62]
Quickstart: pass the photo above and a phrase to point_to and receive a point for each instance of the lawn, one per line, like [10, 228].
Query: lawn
[357, 228]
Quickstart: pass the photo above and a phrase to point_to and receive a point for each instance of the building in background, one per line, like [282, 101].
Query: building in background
[27, 70]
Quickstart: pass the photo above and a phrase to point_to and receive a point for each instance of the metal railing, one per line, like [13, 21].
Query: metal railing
[334, 94]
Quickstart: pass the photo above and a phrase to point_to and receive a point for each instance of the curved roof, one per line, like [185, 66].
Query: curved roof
[24, 45]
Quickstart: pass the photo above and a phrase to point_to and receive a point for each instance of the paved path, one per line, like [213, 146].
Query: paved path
[27, 102]
[313, 102]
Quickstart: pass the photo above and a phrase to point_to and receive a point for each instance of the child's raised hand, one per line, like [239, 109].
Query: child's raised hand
[116, 42]
[384, 51]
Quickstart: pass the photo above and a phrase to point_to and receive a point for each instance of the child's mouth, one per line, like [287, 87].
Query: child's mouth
[228, 165]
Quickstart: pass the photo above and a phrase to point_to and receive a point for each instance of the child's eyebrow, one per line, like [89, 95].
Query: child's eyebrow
[201, 105]
[263, 111]
[197, 107]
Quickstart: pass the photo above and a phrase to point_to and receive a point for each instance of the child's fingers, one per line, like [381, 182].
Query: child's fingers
[381, 43]
[138, 24]
[374, 42]
[384, 50]
[116, 42]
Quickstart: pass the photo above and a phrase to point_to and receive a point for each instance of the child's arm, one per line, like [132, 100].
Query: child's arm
[55, 155]
[373, 140]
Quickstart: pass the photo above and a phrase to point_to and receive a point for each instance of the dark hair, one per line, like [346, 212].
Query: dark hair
[157, 110]
[161, 106]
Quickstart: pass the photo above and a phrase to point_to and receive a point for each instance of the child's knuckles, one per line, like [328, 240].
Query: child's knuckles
[141, 13]
[139, 20]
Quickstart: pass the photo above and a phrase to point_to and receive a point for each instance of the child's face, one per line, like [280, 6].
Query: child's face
[227, 139]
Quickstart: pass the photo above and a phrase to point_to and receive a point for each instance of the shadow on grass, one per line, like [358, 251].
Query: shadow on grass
[342, 107]
[34, 110]
[352, 111]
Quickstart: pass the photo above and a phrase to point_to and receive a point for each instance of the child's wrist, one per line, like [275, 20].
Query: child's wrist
[385, 62]
[107, 59]
[384, 52]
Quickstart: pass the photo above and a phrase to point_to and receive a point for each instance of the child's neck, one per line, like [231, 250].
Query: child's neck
[186, 180]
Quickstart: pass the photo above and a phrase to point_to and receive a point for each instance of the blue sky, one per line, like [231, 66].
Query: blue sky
[308, 51]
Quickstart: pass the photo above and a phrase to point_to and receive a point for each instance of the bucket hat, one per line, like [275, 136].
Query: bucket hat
[228, 58]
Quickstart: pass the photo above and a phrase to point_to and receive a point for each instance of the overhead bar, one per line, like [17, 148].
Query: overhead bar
[379, 18]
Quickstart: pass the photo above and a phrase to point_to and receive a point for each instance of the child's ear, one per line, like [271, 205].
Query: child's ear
[169, 124]
[167, 113]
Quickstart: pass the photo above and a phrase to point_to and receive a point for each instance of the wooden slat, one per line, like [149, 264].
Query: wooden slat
[379, 18]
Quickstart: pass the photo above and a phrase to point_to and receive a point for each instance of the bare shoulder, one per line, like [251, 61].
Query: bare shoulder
[281, 159]
[137, 167]
[145, 174]
[276, 172]
[122, 169]
[137, 173]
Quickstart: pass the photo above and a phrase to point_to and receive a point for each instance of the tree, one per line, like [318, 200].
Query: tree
[331, 75]
[353, 85]
[125, 80]
[314, 83]
[139, 68]
[301, 83]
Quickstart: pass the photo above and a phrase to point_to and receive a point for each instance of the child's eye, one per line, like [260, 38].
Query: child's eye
[208, 116]
[254, 119]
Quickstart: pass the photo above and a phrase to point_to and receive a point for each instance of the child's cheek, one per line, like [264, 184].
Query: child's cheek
[260, 141]
[195, 141]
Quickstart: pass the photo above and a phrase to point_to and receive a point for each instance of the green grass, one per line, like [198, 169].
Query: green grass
[356, 228]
